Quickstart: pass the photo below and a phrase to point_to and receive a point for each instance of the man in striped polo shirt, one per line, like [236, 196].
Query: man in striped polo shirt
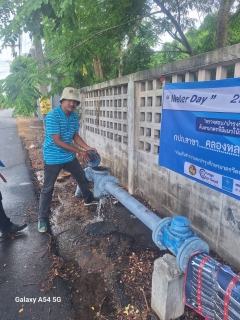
[61, 129]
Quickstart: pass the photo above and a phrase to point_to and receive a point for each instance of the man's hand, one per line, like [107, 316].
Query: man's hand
[93, 149]
[86, 156]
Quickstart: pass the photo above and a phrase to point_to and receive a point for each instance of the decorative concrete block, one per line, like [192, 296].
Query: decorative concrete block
[167, 288]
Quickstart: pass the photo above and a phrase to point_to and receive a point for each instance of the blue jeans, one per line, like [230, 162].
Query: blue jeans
[51, 173]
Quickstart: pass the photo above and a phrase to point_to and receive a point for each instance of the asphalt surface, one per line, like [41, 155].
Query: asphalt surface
[25, 262]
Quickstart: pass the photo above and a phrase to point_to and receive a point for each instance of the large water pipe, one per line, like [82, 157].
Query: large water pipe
[173, 234]
[211, 289]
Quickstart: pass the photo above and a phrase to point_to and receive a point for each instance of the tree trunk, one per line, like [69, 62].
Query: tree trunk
[97, 66]
[121, 64]
[222, 24]
[39, 58]
[182, 39]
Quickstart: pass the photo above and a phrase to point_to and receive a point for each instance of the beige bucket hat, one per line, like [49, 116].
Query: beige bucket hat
[70, 93]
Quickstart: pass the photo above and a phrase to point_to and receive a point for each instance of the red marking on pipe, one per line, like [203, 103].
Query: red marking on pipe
[199, 291]
[185, 275]
[228, 295]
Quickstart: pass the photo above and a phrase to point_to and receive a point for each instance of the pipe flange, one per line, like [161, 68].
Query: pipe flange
[94, 159]
[89, 173]
[158, 232]
[104, 181]
[191, 245]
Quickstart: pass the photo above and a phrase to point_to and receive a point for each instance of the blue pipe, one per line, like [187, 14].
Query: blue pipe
[149, 218]
[211, 289]
[205, 277]
[168, 233]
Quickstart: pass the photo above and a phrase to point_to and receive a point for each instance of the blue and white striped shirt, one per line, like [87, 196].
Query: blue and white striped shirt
[56, 122]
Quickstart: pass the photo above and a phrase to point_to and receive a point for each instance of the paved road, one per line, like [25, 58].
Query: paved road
[22, 260]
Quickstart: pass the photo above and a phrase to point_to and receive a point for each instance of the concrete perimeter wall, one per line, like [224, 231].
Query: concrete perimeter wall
[122, 119]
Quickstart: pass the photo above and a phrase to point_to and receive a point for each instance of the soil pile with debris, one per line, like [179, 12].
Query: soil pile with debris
[106, 255]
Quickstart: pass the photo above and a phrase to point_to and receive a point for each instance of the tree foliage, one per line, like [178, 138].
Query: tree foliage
[2, 99]
[21, 87]
[88, 41]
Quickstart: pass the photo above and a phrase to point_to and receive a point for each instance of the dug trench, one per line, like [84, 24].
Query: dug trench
[105, 254]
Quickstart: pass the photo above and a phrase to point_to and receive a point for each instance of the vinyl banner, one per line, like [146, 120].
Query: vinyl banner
[200, 133]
